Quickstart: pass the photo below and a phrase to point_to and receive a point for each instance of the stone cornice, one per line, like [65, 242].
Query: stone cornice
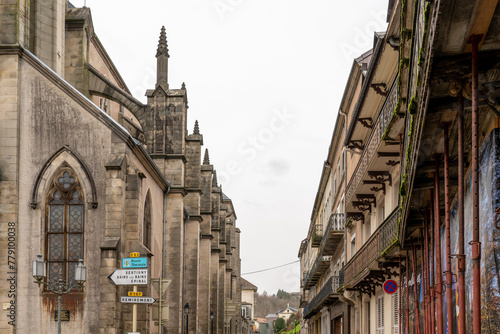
[207, 236]
[215, 250]
[194, 190]
[170, 156]
[195, 218]
[178, 190]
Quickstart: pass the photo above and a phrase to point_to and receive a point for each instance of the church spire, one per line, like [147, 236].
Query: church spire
[162, 59]
[206, 158]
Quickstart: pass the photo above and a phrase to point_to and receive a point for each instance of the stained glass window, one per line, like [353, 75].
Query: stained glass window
[65, 225]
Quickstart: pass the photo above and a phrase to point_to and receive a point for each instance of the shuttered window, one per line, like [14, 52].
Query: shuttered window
[395, 303]
[380, 314]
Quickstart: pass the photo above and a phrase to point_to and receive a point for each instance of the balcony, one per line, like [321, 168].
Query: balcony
[364, 263]
[334, 234]
[329, 242]
[374, 142]
[327, 296]
[317, 235]
[319, 267]
[303, 298]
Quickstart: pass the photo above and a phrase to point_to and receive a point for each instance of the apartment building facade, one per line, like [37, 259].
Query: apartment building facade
[421, 190]
[89, 172]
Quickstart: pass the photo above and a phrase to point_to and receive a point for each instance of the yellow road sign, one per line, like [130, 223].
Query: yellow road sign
[135, 254]
[134, 294]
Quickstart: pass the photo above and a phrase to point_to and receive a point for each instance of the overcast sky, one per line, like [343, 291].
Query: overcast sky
[264, 80]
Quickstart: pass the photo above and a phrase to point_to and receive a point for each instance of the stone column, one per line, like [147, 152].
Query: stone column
[174, 259]
[110, 315]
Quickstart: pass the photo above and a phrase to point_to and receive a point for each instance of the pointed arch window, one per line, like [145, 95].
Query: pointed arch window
[146, 232]
[64, 228]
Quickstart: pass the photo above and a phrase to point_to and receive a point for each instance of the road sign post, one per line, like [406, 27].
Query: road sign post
[134, 313]
[160, 311]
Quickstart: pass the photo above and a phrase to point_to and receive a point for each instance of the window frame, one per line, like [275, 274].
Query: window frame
[66, 199]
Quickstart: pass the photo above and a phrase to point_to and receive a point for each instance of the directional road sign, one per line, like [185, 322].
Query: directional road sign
[390, 286]
[129, 277]
[135, 262]
[137, 300]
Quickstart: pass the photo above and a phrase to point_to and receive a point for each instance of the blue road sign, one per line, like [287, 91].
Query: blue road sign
[134, 262]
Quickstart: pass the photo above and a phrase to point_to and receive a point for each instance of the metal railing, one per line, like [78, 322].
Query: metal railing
[383, 237]
[341, 277]
[336, 222]
[317, 235]
[328, 290]
[370, 149]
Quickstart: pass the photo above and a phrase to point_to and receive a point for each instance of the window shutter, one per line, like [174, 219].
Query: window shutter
[395, 298]
[380, 315]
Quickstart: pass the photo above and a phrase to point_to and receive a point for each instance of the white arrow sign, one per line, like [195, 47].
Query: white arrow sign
[137, 300]
[129, 277]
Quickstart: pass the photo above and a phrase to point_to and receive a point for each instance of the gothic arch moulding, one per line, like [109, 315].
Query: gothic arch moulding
[64, 155]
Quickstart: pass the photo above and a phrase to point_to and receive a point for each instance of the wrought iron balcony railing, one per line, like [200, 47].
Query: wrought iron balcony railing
[327, 295]
[385, 236]
[318, 269]
[373, 142]
[333, 234]
[317, 235]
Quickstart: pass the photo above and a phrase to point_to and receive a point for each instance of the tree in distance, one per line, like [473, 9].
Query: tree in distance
[279, 325]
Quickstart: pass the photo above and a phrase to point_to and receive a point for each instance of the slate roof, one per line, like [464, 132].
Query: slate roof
[246, 285]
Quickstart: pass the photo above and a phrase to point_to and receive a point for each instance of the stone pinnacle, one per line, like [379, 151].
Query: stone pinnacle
[206, 159]
[162, 44]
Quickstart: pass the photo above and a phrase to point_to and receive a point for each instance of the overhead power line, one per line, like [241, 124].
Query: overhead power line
[259, 271]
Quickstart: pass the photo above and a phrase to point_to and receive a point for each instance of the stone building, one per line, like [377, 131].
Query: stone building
[418, 128]
[89, 172]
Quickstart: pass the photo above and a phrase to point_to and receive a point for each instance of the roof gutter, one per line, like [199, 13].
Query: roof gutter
[365, 88]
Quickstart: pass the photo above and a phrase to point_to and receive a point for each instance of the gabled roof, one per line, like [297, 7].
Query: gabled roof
[246, 285]
[288, 308]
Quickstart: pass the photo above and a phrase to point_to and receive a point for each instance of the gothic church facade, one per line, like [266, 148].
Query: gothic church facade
[89, 172]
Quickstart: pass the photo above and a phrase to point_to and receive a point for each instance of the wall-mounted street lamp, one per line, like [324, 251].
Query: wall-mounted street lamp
[187, 310]
[212, 316]
[58, 286]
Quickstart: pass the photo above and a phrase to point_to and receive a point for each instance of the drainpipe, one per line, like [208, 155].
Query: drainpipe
[461, 221]
[163, 252]
[165, 193]
[186, 212]
[476, 245]
[431, 269]
[449, 278]
[415, 290]
[424, 277]
[427, 273]
[407, 309]
[399, 299]
[437, 241]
